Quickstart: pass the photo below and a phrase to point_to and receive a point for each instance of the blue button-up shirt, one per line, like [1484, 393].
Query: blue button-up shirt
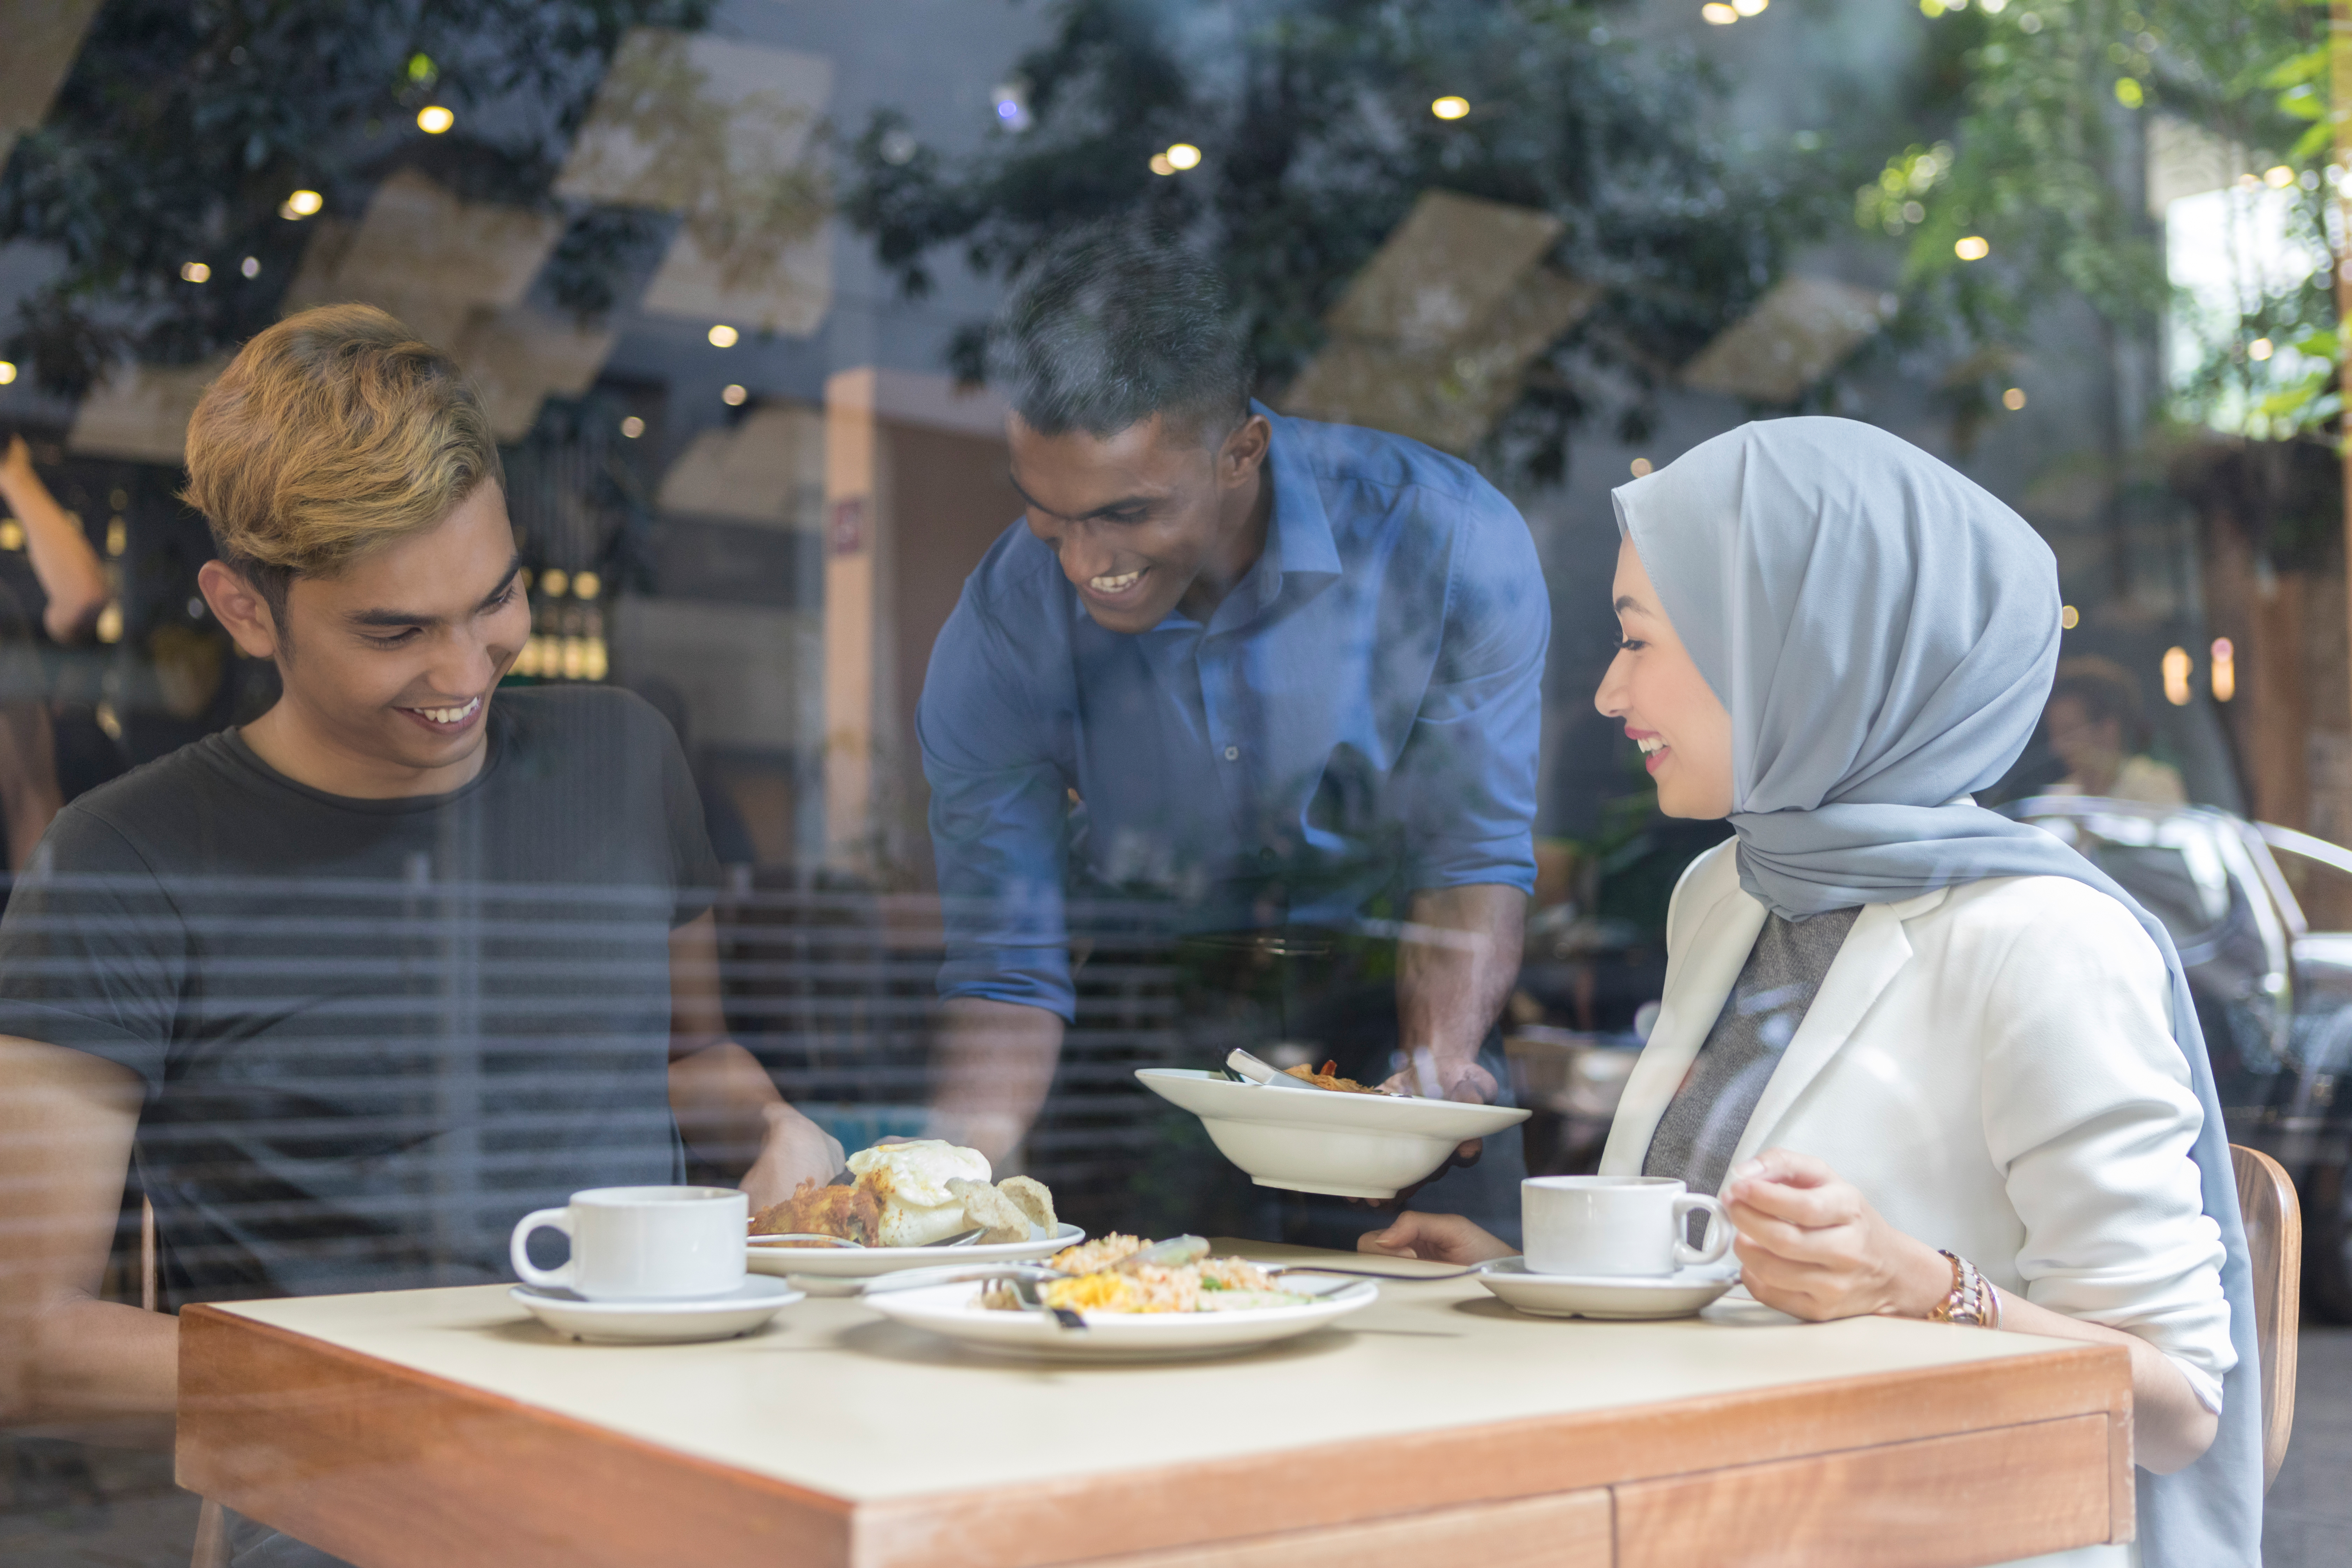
[1359, 718]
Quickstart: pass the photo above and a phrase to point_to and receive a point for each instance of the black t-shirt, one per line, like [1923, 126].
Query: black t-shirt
[374, 1033]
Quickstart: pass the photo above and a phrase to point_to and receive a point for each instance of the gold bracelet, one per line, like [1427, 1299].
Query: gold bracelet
[1967, 1304]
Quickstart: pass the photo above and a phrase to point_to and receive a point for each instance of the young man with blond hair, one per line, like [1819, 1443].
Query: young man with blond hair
[354, 987]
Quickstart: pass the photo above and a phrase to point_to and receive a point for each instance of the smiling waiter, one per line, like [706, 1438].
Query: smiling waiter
[1281, 676]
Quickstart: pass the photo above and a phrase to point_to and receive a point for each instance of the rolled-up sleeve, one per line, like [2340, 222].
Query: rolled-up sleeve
[1465, 789]
[2089, 1111]
[998, 819]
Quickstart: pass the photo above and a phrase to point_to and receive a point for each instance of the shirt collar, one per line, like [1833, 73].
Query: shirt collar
[1298, 534]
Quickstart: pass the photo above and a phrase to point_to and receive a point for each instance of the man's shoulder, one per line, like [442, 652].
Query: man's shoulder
[1380, 459]
[1018, 582]
[605, 744]
[557, 714]
[1382, 492]
[149, 803]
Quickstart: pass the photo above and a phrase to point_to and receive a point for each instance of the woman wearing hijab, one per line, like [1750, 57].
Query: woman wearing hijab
[1935, 1063]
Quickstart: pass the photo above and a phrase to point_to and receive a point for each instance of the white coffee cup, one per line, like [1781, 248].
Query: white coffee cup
[643, 1244]
[1615, 1224]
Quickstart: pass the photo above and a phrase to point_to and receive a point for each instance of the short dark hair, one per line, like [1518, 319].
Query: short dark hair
[1119, 325]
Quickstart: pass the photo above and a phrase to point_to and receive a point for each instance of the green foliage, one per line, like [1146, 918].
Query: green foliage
[1315, 120]
[182, 128]
[2053, 102]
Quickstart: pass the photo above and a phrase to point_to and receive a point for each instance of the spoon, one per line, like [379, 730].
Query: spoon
[1024, 1290]
[1250, 1069]
[1280, 1269]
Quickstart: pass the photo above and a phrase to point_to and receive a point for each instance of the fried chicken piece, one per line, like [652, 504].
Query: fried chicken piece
[854, 1214]
[1329, 1078]
[1032, 1198]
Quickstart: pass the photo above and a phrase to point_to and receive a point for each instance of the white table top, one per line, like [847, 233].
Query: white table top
[833, 1397]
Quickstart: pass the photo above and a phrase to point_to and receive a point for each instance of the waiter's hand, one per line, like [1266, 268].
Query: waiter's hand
[1434, 1079]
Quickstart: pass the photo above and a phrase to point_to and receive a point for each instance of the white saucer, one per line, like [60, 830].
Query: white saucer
[661, 1322]
[1676, 1295]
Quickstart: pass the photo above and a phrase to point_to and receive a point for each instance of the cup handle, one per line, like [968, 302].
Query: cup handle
[519, 1256]
[1718, 1229]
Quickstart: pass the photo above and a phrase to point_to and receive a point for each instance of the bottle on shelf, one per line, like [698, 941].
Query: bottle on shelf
[543, 653]
[595, 657]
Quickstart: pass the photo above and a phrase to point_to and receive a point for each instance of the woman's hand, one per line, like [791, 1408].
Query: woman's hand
[1811, 1246]
[1438, 1237]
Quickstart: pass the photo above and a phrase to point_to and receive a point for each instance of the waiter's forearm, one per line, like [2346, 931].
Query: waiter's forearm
[1456, 968]
[995, 1063]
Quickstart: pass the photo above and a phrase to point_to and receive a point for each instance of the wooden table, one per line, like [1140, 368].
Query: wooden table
[445, 1429]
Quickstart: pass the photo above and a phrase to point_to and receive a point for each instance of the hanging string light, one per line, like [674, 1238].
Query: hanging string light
[2175, 667]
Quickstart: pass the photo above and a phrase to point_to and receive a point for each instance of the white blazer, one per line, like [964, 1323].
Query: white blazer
[1993, 1066]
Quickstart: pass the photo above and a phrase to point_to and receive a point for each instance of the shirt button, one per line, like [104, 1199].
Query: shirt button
[1233, 753]
[1266, 857]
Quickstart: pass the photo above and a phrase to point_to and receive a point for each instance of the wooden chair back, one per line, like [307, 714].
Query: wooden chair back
[2274, 1242]
[212, 1525]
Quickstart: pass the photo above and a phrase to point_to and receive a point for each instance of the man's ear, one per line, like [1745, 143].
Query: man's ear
[1245, 450]
[240, 608]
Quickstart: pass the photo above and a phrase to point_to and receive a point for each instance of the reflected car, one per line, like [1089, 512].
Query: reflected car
[2272, 995]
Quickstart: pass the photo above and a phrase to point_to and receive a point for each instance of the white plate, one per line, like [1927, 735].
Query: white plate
[864, 1262]
[955, 1311]
[1676, 1295]
[660, 1322]
[1354, 1145]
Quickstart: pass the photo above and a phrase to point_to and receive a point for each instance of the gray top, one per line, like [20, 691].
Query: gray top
[373, 1032]
[1704, 1122]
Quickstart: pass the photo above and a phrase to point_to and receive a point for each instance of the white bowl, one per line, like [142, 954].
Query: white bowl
[955, 1311]
[1311, 1141]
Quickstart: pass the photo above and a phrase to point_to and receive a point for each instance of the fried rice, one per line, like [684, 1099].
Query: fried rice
[1212, 1285]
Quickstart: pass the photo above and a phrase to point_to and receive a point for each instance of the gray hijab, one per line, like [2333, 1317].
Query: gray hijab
[1884, 632]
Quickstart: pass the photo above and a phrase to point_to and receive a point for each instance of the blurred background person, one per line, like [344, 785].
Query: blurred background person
[74, 582]
[2098, 728]
[69, 571]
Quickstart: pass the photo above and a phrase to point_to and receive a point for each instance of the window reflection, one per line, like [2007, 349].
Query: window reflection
[799, 793]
